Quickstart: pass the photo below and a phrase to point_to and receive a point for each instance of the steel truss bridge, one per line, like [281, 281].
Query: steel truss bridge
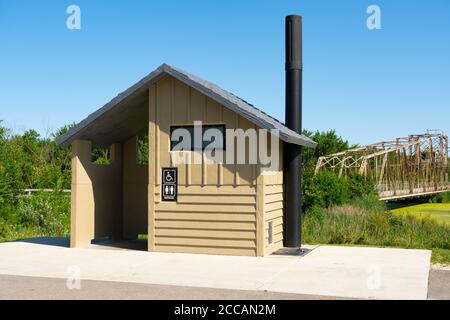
[412, 166]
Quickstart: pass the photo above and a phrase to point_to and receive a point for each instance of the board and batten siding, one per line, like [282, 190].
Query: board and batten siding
[216, 211]
[273, 213]
[274, 207]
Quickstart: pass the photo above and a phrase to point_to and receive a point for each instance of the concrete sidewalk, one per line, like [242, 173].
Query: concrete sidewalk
[353, 272]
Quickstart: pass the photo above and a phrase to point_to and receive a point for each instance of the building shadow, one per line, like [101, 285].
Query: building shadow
[135, 244]
[48, 241]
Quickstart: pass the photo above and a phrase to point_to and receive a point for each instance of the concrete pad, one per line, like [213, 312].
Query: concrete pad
[330, 271]
[377, 273]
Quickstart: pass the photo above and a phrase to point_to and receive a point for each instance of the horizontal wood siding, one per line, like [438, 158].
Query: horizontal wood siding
[207, 220]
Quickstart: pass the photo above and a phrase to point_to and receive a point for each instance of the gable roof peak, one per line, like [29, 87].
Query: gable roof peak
[205, 87]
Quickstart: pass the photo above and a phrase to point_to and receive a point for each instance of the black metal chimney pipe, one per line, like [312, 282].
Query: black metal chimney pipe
[293, 152]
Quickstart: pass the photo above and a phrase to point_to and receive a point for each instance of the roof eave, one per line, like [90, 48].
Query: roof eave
[64, 140]
[301, 140]
[164, 69]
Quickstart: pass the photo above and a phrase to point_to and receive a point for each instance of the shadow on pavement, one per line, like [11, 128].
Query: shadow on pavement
[138, 244]
[48, 241]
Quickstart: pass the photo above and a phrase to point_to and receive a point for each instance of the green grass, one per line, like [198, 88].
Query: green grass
[439, 212]
[440, 256]
[436, 211]
[365, 222]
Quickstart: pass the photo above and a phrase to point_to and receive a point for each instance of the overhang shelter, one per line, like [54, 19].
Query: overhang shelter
[219, 208]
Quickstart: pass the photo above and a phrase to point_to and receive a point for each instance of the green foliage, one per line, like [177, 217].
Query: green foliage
[326, 189]
[42, 214]
[101, 156]
[63, 130]
[98, 155]
[368, 202]
[359, 186]
[328, 142]
[10, 169]
[47, 212]
[29, 162]
[365, 222]
[142, 156]
[441, 198]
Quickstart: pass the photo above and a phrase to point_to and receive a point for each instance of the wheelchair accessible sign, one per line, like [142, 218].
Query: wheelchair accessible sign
[169, 184]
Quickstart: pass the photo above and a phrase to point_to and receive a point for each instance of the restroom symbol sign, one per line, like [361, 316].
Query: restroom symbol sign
[169, 184]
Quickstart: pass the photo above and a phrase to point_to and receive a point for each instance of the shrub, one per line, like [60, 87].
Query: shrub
[326, 189]
[359, 186]
[48, 213]
[441, 198]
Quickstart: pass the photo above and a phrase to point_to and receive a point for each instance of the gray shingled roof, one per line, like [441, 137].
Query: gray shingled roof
[97, 122]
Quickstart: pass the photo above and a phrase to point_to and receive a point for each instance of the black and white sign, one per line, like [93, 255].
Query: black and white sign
[169, 184]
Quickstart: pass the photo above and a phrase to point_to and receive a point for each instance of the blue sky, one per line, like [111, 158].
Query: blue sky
[369, 85]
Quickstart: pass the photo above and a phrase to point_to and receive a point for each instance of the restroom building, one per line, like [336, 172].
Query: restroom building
[212, 208]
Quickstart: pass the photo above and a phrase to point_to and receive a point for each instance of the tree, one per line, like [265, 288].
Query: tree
[328, 142]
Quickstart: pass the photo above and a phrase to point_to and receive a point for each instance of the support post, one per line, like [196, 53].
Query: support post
[82, 204]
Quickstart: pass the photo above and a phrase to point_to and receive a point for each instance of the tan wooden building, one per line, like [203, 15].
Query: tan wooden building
[220, 208]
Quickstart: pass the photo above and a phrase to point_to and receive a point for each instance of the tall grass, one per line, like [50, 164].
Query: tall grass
[365, 221]
[42, 214]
